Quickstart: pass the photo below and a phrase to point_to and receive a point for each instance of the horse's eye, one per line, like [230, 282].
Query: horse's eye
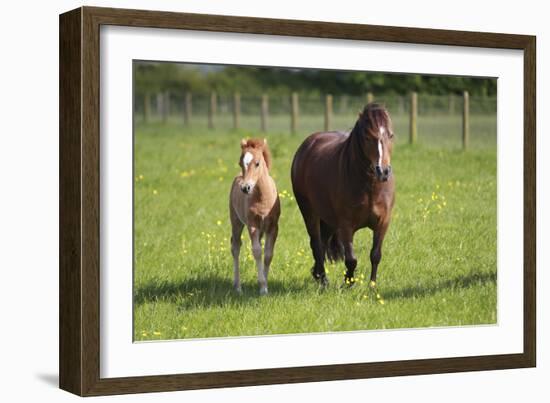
[257, 164]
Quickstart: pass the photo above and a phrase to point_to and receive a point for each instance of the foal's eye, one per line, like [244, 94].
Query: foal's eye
[257, 164]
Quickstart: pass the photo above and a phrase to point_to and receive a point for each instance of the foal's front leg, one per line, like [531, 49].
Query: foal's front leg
[236, 231]
[257, 252]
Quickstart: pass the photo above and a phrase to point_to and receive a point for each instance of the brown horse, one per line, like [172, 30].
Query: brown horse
[342, 183]
[254, 202]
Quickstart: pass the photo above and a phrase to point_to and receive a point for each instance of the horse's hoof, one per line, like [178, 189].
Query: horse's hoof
[263, 291]
[348, 282]
[238, 290]
[320, 278]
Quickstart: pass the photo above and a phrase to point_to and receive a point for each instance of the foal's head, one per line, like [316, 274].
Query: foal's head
[376, 131]
[255, 162]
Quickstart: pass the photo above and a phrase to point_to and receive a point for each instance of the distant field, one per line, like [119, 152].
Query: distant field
[439, 257]
[434, 131]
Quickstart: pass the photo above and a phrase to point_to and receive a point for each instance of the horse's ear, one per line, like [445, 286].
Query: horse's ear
[243, 143]
[265, 142]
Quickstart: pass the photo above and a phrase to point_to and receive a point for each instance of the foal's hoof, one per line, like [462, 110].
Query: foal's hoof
[263, 291]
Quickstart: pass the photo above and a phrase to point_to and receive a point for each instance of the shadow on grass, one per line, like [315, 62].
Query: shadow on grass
[213, 291]
[463, 282]
[217, 291]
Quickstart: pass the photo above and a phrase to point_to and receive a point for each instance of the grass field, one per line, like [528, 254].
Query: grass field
[439, 257]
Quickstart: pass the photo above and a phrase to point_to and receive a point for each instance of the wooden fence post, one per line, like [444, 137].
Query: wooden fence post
[212, 110]
[160, 105]
[147, 107]
[294, 113]
[412, 124]
[466, 120]
[187, 108]
[236, 110]
[264, 112]
[328, 112]
[400, 104]
[166, 107]
[344, 102]
[451, 104]
[370, 97]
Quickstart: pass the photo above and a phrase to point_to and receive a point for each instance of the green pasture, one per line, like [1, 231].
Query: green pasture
[439, 257]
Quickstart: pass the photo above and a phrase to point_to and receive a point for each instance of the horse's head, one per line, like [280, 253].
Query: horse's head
[376, 138]
[255, 162]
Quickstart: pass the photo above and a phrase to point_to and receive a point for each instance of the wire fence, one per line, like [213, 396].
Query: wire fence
[437, 120]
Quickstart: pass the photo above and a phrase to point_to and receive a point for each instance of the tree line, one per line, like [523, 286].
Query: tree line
[154, 77]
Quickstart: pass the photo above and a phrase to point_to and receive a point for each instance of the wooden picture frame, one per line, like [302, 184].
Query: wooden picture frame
[79, 346]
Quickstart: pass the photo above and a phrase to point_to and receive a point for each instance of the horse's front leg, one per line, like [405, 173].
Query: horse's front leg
[376, 251]
[349, 257]
[257, 253]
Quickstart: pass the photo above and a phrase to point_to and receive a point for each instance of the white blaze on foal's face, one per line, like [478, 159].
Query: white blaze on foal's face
[252, 169]
[247, 158]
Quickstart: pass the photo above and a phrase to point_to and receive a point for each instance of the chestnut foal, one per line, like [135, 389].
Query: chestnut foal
[254, 202]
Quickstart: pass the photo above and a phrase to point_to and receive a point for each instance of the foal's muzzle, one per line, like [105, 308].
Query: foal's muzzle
[247, 188]
[382, 174]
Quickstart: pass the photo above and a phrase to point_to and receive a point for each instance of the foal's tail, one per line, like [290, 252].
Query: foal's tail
[334, 248]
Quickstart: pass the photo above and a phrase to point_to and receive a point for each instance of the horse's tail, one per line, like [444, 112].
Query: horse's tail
[334, 248]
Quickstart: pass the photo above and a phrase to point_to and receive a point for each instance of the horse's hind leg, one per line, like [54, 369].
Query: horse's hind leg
[313, 223]
[236, 231]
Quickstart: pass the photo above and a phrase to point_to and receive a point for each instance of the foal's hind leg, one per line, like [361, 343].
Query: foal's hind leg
[270, 238]
[313, 223]
[236, 231]
[255, 238]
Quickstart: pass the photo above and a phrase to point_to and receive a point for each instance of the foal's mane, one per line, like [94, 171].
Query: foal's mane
[259, 144]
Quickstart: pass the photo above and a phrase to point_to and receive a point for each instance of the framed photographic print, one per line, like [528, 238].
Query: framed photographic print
[249, 201]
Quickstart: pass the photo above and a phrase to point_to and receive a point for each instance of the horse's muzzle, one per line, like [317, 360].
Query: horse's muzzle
[382, 174]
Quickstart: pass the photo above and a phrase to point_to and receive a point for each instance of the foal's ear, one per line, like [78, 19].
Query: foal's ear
[265, 142]
[243, 143]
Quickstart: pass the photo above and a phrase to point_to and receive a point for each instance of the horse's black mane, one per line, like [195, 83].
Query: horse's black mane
[372, 117]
